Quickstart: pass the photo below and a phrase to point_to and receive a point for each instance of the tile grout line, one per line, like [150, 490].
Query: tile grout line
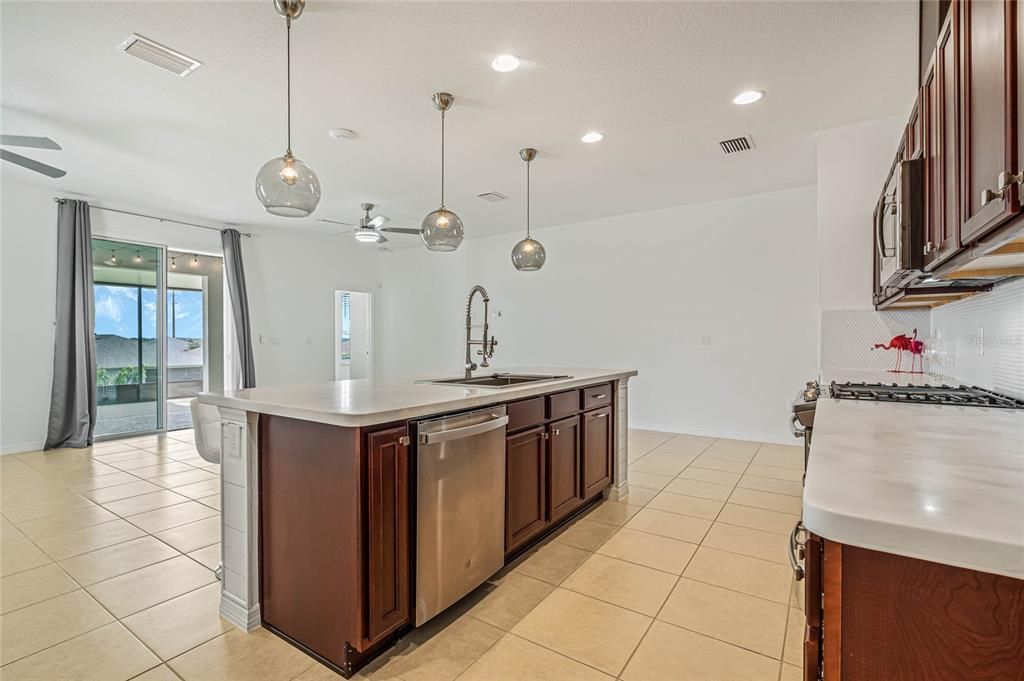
[681, 576]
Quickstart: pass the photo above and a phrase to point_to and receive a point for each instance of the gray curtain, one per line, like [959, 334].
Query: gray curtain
[232, 243]
[73, 394]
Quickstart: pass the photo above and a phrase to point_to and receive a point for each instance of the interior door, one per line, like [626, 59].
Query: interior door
[987, 123]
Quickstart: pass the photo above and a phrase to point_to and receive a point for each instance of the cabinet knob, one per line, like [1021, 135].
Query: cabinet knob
[557, 432]
[1006, 179]
[989, 195]
[929, 246]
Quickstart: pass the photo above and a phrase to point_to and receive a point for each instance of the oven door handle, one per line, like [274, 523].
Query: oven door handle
[796, 550]
[798, 432]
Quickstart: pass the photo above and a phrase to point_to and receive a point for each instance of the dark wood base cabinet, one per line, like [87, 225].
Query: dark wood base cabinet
[557, 459]
[874, 616]
[337, 515]
[334, 536]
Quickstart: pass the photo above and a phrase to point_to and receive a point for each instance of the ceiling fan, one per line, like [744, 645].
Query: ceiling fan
[370, 231]
[24, 161]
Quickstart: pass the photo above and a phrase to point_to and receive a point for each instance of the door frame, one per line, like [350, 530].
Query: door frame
[161, 334]
[370, 317]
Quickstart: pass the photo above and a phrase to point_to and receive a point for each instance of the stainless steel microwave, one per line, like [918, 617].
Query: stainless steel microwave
[900, 224]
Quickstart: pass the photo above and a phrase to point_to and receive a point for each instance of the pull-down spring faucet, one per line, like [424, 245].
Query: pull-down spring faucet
[488, 343]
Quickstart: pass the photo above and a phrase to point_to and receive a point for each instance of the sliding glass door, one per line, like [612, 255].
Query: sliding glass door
[128, 286]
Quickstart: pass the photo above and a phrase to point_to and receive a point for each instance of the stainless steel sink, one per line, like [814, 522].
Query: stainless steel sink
[495, 380]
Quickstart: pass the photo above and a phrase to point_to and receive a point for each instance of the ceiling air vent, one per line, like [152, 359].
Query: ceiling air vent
[736, 144]
[493, 197]
[159, 55]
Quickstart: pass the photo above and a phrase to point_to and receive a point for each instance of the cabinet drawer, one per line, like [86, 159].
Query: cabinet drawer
[563, 404]
[525, 413]
[597, 396]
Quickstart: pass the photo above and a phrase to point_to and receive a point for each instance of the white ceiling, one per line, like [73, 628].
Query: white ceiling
[656, 78]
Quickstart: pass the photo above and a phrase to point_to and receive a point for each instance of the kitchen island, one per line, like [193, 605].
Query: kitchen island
[914, 565]
[325, 536]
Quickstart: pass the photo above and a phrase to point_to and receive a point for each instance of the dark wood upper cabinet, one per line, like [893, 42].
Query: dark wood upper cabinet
[525, 487]
[941, 142]
[988, 125]
[565, 475]
[387, 517]
[597, 451]
[1018, 129]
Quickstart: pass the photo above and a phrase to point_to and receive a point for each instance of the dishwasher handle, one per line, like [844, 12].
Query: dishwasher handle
[467, 431]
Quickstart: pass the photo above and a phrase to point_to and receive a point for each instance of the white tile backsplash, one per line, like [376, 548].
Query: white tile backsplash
[848, 337]
[985, 334]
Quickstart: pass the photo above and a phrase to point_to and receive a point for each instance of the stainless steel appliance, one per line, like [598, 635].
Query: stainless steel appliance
[460, 504]
[964, 396]
[900, 224]
[802, 421]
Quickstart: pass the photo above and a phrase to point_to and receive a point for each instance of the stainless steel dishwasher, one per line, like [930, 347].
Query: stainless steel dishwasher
[460, 506]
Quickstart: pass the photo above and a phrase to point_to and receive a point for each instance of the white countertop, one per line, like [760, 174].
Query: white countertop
[364, 402]
[939, 483]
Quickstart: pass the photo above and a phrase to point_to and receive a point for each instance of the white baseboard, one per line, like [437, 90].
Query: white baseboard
[246, 619]
[22, 448]
[771, 438]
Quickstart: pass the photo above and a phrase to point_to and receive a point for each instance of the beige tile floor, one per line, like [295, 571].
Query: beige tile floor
[107, 558]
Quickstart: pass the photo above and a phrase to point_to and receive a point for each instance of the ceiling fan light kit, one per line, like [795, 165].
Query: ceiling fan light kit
[442, 229]
[528, 255]
[285, 185]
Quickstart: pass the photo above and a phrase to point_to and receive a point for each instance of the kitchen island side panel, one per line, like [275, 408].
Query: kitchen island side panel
[309, 533]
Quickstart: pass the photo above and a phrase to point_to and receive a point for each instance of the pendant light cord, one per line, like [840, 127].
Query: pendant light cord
[288, 42]
[442, 159]
[527, 199]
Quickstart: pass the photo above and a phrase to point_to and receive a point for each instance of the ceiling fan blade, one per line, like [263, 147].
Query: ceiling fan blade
[379, 221]
[42, 168]
[400, 230]
[27, 141]
[336, 222]
[383, 239]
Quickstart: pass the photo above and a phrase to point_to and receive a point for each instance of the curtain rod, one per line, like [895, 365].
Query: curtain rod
[57, 199]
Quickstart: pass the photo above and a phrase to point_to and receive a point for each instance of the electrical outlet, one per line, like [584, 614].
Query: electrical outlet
[705, 340]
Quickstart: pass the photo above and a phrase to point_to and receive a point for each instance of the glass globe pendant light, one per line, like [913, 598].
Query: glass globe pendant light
[285, 185]
[528, 255]
[442, 229]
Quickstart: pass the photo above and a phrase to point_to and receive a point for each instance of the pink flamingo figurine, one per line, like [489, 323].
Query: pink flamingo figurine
[904, 342]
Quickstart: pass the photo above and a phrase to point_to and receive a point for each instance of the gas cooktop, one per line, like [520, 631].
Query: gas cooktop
[966, 396]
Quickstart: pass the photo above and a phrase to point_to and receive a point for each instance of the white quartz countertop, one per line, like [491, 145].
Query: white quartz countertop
[364, 402]
[939, 483]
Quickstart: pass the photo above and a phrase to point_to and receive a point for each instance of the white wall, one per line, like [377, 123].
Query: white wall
[291, 276]
[638, 291]
[291, 279]
[852, 164]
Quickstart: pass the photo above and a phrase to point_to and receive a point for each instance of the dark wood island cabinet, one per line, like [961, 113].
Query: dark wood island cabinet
[337, 514]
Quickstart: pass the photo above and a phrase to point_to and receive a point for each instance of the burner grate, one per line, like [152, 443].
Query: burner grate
[966, 396]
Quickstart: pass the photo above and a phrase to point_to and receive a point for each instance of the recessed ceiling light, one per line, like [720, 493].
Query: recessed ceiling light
[504, 63]
[748, 97]
[592, 137]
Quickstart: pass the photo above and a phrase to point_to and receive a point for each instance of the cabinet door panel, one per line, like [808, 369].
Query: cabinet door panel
[947, 75]
[525, 485]
[597, 456]
[1018, 43]
[387, 514]
[934, 185]
[565, 478]
[986, 128]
